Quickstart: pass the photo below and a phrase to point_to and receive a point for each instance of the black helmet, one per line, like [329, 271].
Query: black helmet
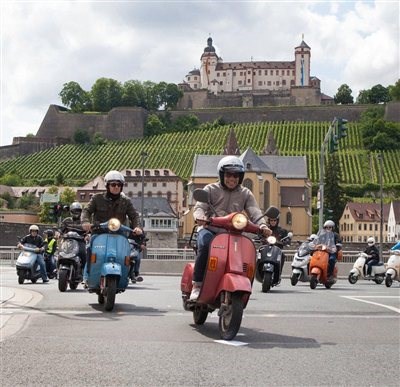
[272, 212]
[230, 164]
[49, 233]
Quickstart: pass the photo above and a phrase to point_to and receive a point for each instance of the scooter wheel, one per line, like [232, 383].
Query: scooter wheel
[313, 281]
[21, 279]
[294, 279]
[378, 280]
[267, 282]
[388, 280]
[352, 279]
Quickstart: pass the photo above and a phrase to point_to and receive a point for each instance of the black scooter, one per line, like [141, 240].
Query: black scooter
[268, 266]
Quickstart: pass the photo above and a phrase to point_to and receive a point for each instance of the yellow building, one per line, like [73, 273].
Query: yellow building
[281, 181]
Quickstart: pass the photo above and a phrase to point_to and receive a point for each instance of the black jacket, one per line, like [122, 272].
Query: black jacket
[373, 251]
[36, 241]
[102, 207]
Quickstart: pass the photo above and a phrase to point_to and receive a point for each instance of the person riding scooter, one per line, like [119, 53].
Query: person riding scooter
[329, 226]
[278, 232]
[50, 249]
[34, 238]
[373, 255]
[226, 196]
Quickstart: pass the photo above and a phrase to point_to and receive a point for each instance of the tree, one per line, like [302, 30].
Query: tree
[68, 196]
[73, 96]
[11, 179]
[379, 94]
[98, 139]
[133, 94]
[343, 95]
[153, 125]
[363, 97]
[394, 91]
[334, 198]
[81, 136]
[106, 94]
[59, 179]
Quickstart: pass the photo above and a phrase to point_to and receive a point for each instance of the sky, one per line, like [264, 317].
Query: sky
[45, 44]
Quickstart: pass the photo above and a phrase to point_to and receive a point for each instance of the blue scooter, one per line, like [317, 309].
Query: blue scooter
[109, 261]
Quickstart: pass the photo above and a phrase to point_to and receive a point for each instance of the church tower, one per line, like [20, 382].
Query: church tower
[209, 60]
[302, 55]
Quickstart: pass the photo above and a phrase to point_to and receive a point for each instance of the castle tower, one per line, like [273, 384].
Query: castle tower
[302, 56]
[209, 60]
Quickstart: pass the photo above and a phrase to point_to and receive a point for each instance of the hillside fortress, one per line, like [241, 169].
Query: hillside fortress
[254, 83]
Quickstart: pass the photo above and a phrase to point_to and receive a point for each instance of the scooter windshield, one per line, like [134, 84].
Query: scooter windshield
[326, 238]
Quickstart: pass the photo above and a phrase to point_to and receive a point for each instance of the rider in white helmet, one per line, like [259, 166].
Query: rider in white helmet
[111, 204]
[34, 238]
[226, 196]
[373, 255]
[329, 226]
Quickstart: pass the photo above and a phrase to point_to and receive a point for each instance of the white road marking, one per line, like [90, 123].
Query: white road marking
[361, 299]
[231, 342]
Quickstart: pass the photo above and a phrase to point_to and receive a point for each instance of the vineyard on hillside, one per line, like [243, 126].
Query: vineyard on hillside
[175, 151]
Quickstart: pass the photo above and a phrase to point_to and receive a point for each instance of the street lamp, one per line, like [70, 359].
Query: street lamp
[380, 158]
[143, 155]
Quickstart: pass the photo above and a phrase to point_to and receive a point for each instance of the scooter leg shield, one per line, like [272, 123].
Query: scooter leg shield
[187, 277]
[235, 283]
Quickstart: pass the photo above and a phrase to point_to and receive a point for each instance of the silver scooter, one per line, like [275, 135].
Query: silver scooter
[377, 271]
[27, 265]
[300, 264]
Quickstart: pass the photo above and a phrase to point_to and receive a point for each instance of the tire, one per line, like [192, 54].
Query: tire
[294, 279]
[73, 285]
[352, 279]
[62, 280]
[34, 280]
[21, 278]
[200, 315]
[230, 319]
[100, 299]
[328, 285]
[379, 279]
[111, 291]
[313, 281]
[388, 280]
[267, 282]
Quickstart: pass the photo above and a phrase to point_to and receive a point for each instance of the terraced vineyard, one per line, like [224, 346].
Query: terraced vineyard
[176, 151]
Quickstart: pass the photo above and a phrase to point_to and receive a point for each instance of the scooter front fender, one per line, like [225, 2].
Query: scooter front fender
[317, 271]
[111, 268]
[297, 271]
[355, 272]
[391, 272]
[268, 267]
[235, 283]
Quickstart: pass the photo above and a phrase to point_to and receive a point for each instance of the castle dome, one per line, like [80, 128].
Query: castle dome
[210, 47]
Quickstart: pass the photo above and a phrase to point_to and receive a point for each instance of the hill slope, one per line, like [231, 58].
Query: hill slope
[81, 163]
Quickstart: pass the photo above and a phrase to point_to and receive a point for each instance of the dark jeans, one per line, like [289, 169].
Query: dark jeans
[204, 237]
[50, 263]
[331, 263]
[372, 262]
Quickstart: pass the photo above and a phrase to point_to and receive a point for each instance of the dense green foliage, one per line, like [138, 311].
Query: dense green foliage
[107, 93]
[78, 164]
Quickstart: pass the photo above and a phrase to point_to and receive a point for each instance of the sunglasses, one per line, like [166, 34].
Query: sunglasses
[229, 174]
[116, 185]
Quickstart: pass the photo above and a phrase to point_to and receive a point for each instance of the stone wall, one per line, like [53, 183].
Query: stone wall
[10, 232]
[119, 124]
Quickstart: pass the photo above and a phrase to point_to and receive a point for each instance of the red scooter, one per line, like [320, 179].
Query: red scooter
[228, 280]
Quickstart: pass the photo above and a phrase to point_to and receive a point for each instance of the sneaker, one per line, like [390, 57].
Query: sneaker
[194, 295]
[45, 280]
[139, 278]
[85, 284]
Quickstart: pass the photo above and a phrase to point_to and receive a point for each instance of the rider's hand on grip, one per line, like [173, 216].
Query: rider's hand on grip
[266, 232]
[202, 221]
[86, 226]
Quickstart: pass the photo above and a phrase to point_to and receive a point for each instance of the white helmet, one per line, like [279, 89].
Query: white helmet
[114, 176]
[312, 237]
[329, 223]
[33, 228]
[371, 241]
[230, 164]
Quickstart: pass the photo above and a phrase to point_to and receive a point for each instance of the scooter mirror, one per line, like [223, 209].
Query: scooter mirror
[200, 195]
[290, 235]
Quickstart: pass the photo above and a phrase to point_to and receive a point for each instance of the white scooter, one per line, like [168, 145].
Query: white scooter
[393, 268]
[377, 271]
[300, 264]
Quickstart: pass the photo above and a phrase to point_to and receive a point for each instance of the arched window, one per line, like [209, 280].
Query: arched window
[248, 184]
[266, 194]
[289, 218]
[169, 195]
[149, 194]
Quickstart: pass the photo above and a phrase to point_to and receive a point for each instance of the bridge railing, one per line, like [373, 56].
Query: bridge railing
[9, 254]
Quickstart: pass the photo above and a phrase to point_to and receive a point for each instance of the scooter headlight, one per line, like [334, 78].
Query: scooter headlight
[239, 221]
[114, 224]
[271, 240]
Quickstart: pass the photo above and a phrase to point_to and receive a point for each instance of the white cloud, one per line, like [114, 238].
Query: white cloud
[48, 43]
